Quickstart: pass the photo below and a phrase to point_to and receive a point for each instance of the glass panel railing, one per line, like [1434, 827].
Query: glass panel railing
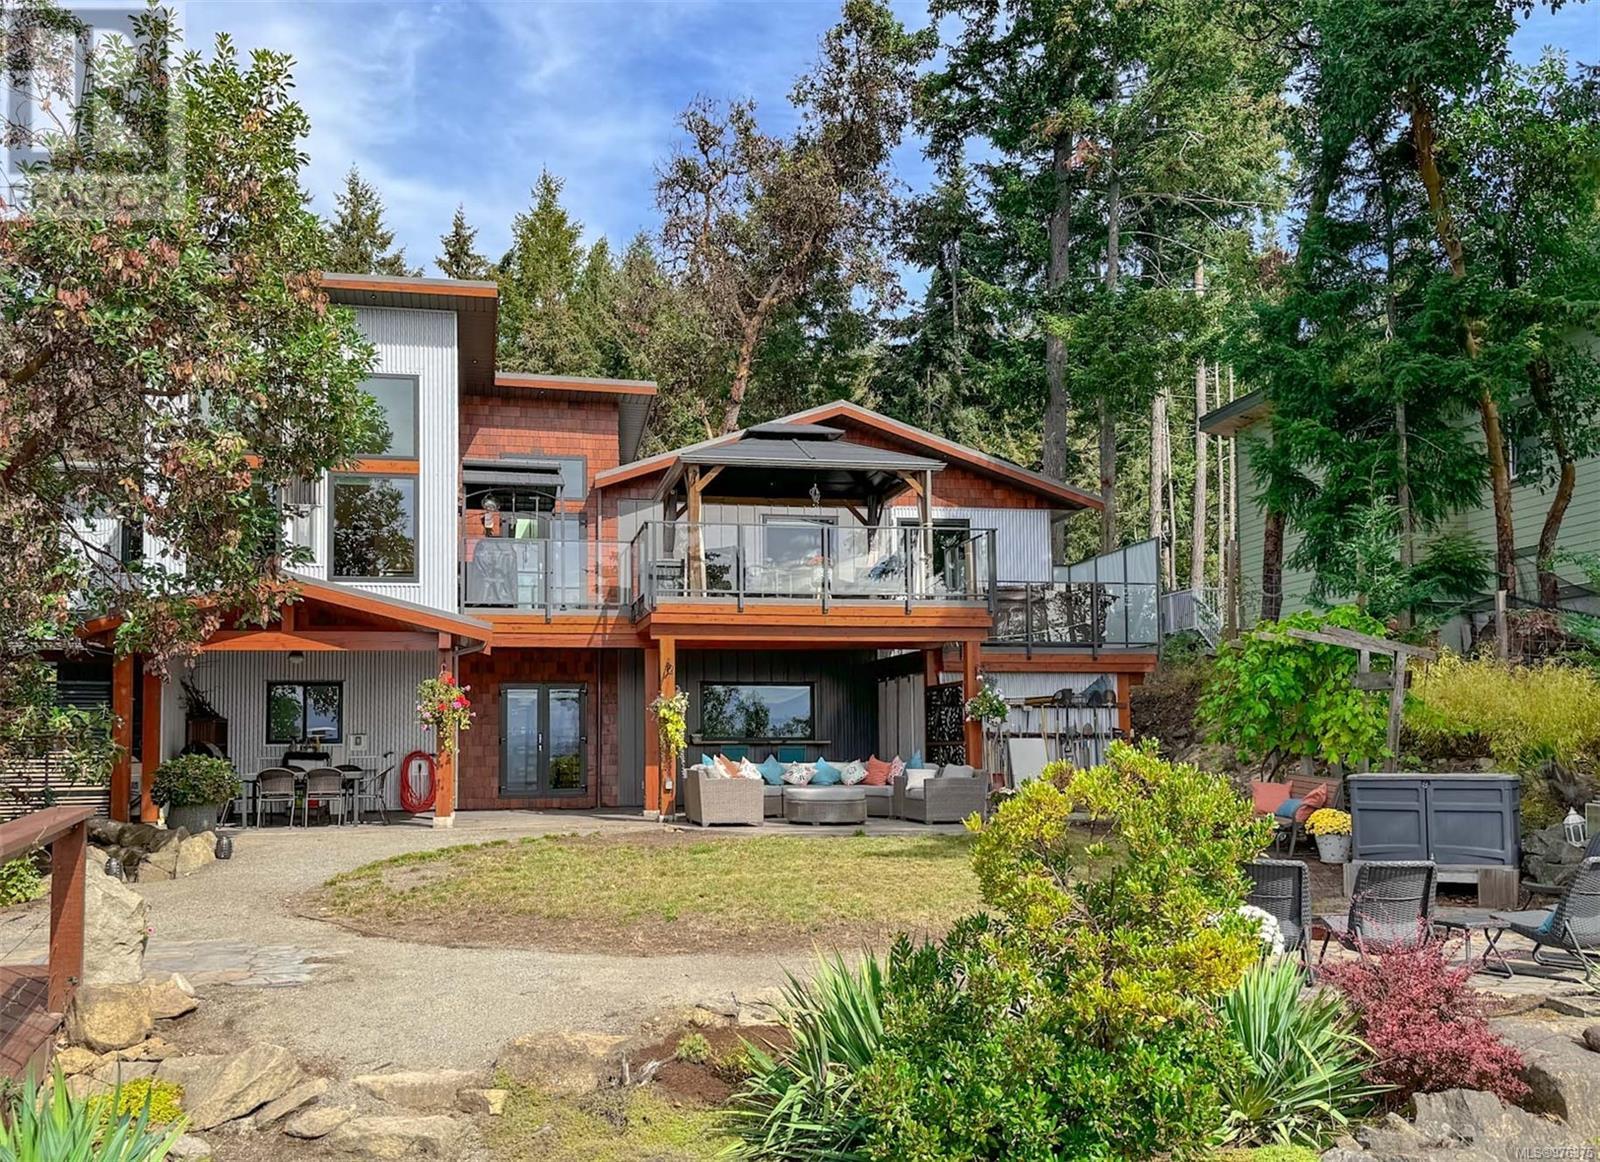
[1114, 614]
[805, 559]
[511, 573]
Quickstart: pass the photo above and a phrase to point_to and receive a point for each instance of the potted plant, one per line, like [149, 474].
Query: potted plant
[194, 788]
[1331, 829]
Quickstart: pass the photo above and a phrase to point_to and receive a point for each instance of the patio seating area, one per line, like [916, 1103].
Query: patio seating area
[739, 792]
[310, 785]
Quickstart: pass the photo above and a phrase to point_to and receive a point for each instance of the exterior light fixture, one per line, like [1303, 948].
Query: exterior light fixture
[296, 657]
[1577, 831]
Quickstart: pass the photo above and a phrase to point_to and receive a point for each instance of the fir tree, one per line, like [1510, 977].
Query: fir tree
[358, 240]
[458, 253]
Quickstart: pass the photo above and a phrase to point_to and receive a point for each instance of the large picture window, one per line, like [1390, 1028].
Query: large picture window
[797, 540]
[299, 711]
[374, 527]
[738, 711]
[397, 399]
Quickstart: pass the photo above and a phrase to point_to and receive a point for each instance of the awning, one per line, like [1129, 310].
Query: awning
[545, 474]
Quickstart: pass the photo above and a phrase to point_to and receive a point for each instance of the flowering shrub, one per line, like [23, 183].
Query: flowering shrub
[1426, 1024]
[1328, 821]
[1271, 932]
[988, 705]
[444, 707]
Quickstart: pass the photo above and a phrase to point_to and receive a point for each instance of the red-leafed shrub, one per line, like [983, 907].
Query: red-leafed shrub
[1425, 1024]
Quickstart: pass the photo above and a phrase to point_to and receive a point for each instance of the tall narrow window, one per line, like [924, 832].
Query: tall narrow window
[374, 527]
[396, 396]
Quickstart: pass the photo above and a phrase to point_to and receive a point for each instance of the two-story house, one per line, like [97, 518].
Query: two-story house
[829, 584]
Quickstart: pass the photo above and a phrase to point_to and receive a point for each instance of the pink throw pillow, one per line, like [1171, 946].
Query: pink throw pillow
[1268, 797]
[1314, 799]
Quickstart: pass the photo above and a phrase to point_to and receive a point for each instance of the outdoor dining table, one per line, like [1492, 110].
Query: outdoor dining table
[351, 782]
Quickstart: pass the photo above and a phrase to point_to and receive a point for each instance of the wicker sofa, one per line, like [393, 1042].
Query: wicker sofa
[955, 793]
[708, 801]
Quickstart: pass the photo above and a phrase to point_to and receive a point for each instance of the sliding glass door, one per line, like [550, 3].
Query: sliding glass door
[542, 740]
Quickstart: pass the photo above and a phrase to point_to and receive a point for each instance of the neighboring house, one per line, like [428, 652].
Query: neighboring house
[1248, 421]
[815, 585]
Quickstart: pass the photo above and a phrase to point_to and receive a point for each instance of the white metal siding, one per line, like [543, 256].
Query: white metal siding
[420, 343]
[1022, 537]
[379, 701]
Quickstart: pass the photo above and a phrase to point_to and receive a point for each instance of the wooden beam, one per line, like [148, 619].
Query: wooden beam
[971, 652]
[122, 736]
[444, 771]
[1124, 682]
[652, 737]
[697, 553]
[932, 666]
[150, 751]
[67, 871]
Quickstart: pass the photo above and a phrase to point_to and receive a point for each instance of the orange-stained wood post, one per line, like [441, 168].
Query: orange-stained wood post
[932, 666]
[970, 660]
[122, 736]
[652, 736]
[150, 750]
[1124, 706]
[670, 767]
[444, 770]
[66, 915]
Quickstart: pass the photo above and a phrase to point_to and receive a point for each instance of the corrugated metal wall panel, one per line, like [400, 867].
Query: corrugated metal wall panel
[379, 701]
[630, 727]
[845, 700]
[1022, 537]
[420, 343]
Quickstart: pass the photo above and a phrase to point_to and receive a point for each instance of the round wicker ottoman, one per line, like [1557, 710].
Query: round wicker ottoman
[825, 804]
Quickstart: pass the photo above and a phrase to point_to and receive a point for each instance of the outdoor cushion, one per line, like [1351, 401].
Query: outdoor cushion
[1268, 797]
[729, 767]
[1549, 925]
[877, 772]
[957, 771]
[1286, 809]
[916, 759]
[825, 774]
[1315, 798]
[772, 771]
[799, 774]
[915, 779]
[707, 761]
[748, 770]
[897, 767]
[852, 772]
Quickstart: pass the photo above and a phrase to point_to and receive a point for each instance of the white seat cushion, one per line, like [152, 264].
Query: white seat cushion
[916, 776]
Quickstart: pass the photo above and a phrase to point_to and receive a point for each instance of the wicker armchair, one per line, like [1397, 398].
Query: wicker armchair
[1572, 927]
[1282, 888]
[1391, 906]
[949, 798]
[707, 800]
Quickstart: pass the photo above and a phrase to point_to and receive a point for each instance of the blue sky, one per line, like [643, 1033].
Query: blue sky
[440, 103]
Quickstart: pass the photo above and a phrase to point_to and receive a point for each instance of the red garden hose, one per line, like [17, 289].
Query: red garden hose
[417, 782]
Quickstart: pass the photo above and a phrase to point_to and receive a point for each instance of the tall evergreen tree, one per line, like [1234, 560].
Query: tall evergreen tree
[539, 278]
[358, 240]
[458, 250]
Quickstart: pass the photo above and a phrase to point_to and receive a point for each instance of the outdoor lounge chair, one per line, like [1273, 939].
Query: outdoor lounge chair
[1282, 888]
[1391, 906]
[708, 800]
[955, 794]
[1572, 927]
[274, 789]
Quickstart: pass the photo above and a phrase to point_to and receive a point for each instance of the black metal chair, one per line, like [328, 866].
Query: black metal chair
[1391, 906]
[1282, 888]
[1572, 927]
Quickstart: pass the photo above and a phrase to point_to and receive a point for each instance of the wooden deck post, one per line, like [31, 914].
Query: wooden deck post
[122, 736]
[970, 660]
[150, 750]
[668, 684]
[444, 771]
[1124, 704]
[932, 666]
[66, 914]
[652, 736]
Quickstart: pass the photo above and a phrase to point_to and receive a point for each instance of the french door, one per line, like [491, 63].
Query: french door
[542, 740]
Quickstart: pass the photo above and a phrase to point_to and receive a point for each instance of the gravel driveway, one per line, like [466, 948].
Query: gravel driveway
[370, 1003]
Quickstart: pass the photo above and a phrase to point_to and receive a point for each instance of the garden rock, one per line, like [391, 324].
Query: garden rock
[219, 1088]
[483, 1101]
[292, 1102]
[121, 1072]
[196, 852]
[561, 1064]
[109, 1016]
[1462, 1125]
[426, 1090]
[1548, 858]
[170, 996]
[160, 865]
[317, 1122]
[75, 1059]
[1560, 1072]
[116, 925]
[396, 1136]
[1591, 1038]
[190, 1148]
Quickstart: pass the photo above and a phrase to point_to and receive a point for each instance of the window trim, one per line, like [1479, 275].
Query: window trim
[811, 697]
[337, 683]
[416, 420]
[416, 530]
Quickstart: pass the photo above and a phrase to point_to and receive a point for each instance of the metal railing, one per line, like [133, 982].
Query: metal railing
[801, 560]
[549, 576]
[1099, 615]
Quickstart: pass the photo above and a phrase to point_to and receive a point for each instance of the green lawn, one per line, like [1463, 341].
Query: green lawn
[661, 893]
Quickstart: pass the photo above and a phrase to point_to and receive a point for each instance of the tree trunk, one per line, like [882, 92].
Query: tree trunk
[748, 341]
[1197, 534]
[1108, 424]
[1158, 486]
[1272, 566]
[1053, 454]
[1505, 538]
[1539, 375]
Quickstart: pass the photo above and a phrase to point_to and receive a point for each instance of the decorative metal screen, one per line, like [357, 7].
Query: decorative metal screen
[946, 738]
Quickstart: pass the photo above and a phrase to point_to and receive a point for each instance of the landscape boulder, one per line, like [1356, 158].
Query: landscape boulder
[387, 1136]
[109, 1016]
[171, 996]
[116, 926]
[424, 1090]
[483, 1101]
[1459, 1125]
[1591, 1038]
[190, 1148]
[562, 1064]
[317, 1122]
[196, 852]
[1561, 1074]
[292, 1102]
[218, 1088]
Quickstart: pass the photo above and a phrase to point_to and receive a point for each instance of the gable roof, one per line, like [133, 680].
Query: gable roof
[947, 450]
